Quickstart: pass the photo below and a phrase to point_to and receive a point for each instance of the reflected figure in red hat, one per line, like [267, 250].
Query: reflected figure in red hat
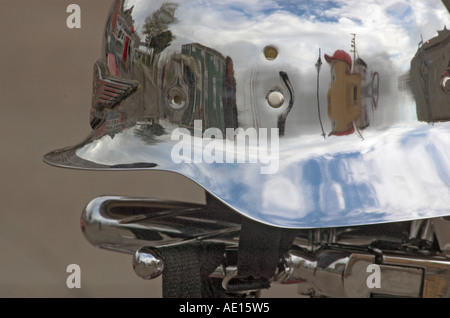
[344, 94]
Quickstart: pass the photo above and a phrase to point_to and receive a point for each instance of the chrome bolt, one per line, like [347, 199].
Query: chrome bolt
[147, 263]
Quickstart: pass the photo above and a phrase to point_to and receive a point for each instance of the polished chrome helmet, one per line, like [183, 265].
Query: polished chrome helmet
[296, 114]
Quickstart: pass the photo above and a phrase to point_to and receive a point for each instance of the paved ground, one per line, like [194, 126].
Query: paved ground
[45, 91]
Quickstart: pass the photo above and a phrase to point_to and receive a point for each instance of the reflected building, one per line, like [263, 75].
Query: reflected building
[198, 84]
[122, 40]
[114, 123]
[111, 82]
[128, 66]
[427, 78]
[229, 96]
[206, 98]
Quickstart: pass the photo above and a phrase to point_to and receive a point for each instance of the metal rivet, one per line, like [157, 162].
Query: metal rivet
[270, 52]
[275, 99]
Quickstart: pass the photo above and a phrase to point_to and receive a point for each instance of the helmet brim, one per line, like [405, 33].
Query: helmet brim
[343, 184]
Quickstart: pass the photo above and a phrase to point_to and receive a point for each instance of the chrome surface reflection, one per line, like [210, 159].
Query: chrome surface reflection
[147, 264]
[359, 95]
[412, 257]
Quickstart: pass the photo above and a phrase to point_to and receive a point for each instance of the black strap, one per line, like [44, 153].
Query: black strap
[260, 249]
[187, 267]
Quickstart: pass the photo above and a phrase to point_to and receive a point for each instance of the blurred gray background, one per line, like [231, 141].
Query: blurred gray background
[45, 96]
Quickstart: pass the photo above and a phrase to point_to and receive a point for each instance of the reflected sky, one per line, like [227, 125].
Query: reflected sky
[300, 28]
[390, 26]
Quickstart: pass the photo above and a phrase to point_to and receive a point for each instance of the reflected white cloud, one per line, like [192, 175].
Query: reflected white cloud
[280, 196]
[381, 26]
